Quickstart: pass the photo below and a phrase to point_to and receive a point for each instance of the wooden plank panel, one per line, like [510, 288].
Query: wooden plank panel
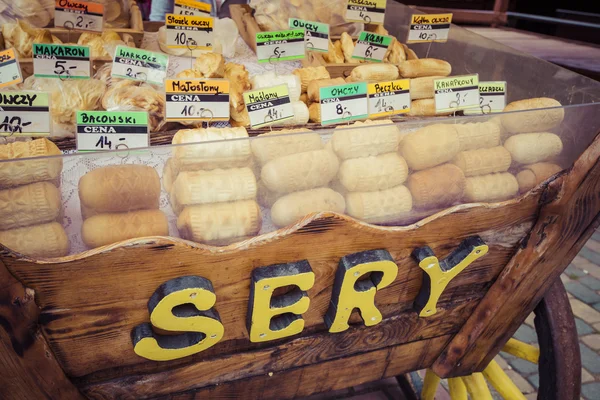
[101, 305]
[311, 347]
[28, 370]
[271, 381]
[567, 219]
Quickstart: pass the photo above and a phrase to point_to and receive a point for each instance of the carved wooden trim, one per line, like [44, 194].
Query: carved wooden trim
[569, 214]
[28, 369]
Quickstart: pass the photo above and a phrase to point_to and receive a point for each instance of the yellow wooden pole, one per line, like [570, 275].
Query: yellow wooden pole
[430, 384]
[477, 387]
[522, 350]
[502, 383]
[458, 390]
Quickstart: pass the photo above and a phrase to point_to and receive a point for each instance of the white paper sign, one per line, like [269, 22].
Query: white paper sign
[280, 45]
[10, 72]
[197, 99]
[189, 32]
[492, 98]
[61, 61]
[112, 130]
[79, 15]
[140, 65]
[456, 93]
[25, 113]
[269, 105]
[429, 28]
[342, 103]
[389, 98]
[316, 36]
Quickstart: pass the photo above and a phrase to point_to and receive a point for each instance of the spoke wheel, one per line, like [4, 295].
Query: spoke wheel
[558, 359]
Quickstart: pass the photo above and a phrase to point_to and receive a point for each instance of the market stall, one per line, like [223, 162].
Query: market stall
[230, 214]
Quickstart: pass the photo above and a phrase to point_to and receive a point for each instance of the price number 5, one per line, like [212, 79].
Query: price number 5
[59, 68]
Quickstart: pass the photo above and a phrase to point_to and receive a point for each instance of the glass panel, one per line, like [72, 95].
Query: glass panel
[217, 192]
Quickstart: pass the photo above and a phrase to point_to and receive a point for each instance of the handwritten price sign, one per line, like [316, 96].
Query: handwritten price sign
[343, 103]
[429, 28]
[192, 7]
[371, 46]
[24, 114]
[112, 130]
[61, 61]
[280, 45]
[367, 11]
[269, 106]
[492, 98]
[10, 72]
[189, 32]
[80, 15]
[456, 93]
[197, 99]
[317, 34]
[139, 65]
[389, 98]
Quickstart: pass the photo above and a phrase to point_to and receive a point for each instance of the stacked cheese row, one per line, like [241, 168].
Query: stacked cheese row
[212, 187]
[530, 144]
[372, 173]
[30, 201]
[454, 162]
[120, 202]
[295, 174]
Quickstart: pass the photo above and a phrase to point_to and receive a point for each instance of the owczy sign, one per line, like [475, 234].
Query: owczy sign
[187, 304]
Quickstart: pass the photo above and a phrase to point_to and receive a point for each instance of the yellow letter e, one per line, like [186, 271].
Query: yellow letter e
[350, 291]
[273, 317]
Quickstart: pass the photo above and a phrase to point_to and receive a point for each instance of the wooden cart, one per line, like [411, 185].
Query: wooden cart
[72, 327]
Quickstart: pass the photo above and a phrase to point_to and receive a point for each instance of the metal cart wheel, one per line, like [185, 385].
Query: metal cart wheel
[558, 359]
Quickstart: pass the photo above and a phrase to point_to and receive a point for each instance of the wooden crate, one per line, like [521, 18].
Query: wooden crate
[136, 32]
[68, 321]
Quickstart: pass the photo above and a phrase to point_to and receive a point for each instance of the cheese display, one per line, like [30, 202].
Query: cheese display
[223, 181]
[120, 202]
[30, 199]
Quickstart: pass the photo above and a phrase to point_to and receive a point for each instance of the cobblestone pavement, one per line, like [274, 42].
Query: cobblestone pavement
[582, 281]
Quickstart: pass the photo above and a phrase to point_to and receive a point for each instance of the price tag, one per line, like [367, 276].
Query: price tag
[280, 45]
[269, 105]
[189, 32]
[10, 72]
[389, 98]
[197, 100]
[316, 36]
[367, 11]
[61, 61]
[343, 103]
[24, 114]
[429, 28]
[456, 93]
[81, 15]
[112, 130]
[139, 65]
[191, 7]
[371, 46]
[492, 98]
